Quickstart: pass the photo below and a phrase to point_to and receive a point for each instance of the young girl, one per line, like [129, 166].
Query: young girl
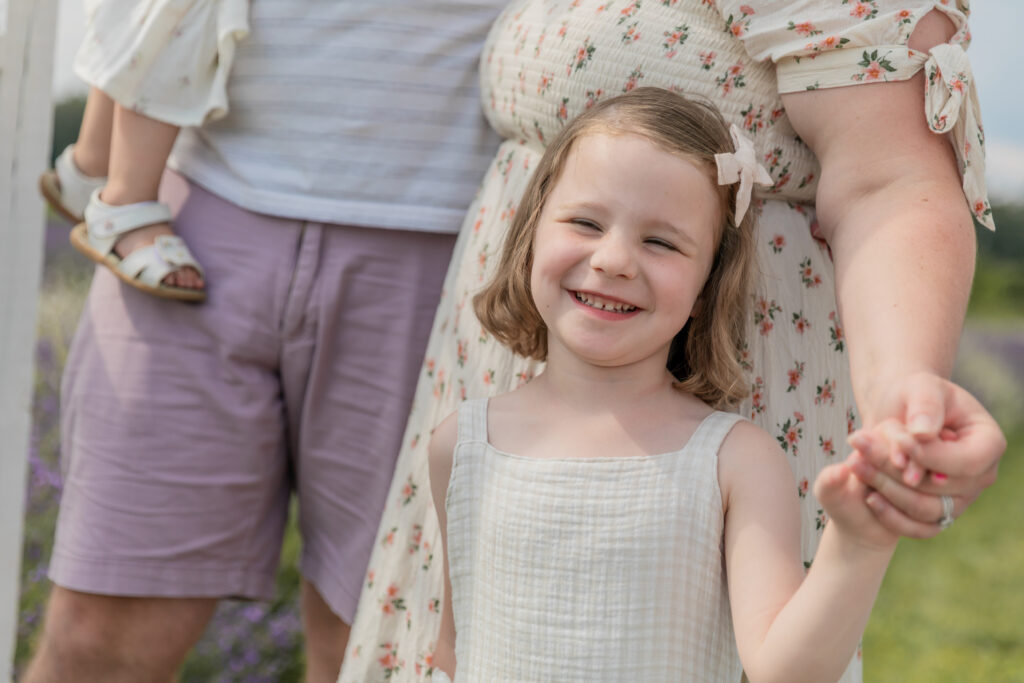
[153, 67]
[605, 521]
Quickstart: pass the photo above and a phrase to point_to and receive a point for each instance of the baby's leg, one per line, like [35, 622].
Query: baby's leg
[139, 148]
[92, 149]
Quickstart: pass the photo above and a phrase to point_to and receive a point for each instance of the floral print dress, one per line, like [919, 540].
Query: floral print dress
[544, 62]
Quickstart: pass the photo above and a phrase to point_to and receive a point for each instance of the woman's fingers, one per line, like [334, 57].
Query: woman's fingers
[914, 505]
[896, 522]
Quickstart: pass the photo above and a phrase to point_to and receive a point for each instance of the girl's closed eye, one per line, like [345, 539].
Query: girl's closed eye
[586, 223]
[662, 243]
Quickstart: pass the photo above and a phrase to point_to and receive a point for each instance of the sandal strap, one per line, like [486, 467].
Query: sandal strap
[76, 188]
[152, 263]
[107, 223]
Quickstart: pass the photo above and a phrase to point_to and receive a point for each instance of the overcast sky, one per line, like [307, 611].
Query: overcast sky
[996, 51]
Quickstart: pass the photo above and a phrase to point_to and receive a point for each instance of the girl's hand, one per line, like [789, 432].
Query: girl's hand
[899, 508]
[846, 499]
[929, 434]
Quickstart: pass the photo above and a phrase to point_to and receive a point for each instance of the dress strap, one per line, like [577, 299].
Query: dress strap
[713, 430]
[473, 420]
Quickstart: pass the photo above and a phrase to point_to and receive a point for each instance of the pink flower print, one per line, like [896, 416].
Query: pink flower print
[482, 261]
[800, 322]
[390, 661]
[836, 339]
[826, 393]
[795, 374]
[415, 539]
[488, 377]
[757, 397]
[409, 491]
[389, 537]
[539, 132]
[903, 17]
[738, 26]
[545, 82]
[629, 11]
[875, 67]
[633, 79]
[790, 433]
[370, 575]
[592, 97]
[707, 60]
[772, 158]
[827, 446]
[764, 314]
[745, 358]
[522, 378]
[674, 39]
[804, 28]
[584, 53]
[828, 43]
[802, 487]
[981, 208]
[563, 110]
[631, 34]
[820, 520]
[807, 274]
[732, 78]
[562, 29]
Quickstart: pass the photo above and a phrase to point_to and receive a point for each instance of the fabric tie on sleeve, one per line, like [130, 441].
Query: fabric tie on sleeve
[951, 99]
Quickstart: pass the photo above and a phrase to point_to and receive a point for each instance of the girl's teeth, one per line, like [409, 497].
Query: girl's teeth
[603, 304]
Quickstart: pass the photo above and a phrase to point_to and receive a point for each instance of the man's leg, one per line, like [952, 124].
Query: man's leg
[109, 639]
[326, 637]
[360, 313]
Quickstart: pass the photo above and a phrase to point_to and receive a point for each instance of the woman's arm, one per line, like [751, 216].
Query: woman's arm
[790, 627]
[891, 205]
[442, 445]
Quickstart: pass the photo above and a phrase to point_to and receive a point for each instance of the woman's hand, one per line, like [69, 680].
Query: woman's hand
[928, 437]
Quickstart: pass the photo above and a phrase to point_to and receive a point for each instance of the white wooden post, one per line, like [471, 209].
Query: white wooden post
[27, 30]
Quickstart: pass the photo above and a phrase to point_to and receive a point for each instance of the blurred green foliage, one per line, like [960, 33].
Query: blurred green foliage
[67, 118]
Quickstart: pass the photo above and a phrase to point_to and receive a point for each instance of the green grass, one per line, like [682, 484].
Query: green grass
[952, 608]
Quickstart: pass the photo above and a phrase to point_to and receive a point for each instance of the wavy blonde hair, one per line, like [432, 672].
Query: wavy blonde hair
[705, 355]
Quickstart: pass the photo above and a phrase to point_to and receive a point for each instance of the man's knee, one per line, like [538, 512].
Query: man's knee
[103, 638]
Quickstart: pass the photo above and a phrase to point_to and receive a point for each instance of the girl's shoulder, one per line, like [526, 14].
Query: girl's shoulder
[751, 457]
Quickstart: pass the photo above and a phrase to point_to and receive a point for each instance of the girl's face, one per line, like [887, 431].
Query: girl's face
[622, 249]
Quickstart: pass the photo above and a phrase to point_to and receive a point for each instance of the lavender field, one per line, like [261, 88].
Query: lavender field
[924, 628]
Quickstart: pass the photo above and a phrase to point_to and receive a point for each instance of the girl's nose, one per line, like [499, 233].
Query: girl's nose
[614, 258]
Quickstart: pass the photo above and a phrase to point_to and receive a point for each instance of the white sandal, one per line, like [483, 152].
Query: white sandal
[66, 188]
[146, 267]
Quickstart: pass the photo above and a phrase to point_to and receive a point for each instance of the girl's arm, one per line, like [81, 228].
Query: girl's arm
[442, 445]
[891, 206]
[791, 627]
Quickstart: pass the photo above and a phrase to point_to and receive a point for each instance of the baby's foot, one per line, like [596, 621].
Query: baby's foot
[184, 278]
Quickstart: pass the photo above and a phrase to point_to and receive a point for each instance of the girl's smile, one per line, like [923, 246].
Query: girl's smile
[606, 307]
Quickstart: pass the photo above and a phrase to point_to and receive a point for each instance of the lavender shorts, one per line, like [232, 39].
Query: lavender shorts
[186, 428]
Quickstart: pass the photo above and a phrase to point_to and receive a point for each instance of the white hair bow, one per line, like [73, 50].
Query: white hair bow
[741, 165]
